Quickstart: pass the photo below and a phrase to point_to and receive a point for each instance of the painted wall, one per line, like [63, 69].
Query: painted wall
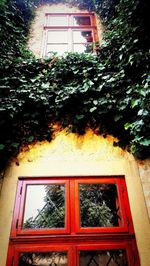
[144, 170]
[69, 154]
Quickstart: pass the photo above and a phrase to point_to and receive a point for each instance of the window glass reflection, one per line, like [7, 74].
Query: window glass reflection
[43, 258]
[81, 20]
[44, 207]
[103, 258]
[58, 20]
[99, 205]
[82, 36]
[57, 36]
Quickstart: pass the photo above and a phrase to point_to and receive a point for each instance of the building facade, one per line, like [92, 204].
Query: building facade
[101, 191]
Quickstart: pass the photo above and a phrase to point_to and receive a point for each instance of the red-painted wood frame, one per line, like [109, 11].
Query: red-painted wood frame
[122, 203]
[128, 246]
[90, 15]
[72, 207]
[73, 248]
[14, 251]
[17, 228]
[73, 237]
[92, 28]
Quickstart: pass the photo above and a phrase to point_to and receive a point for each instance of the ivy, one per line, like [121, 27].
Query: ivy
[109, 91]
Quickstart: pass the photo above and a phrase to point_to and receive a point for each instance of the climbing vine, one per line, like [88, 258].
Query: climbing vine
[108, 92]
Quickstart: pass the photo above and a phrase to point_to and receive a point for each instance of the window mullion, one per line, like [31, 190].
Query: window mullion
[70, 40]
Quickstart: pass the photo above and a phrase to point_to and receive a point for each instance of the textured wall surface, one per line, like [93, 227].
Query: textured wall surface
[1, 182]
[144, 169]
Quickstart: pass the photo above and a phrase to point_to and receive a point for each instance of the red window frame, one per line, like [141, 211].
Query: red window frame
[73, 249]
[122, 197]
[20, 208]
[124, 245]
[73, 238]
[14, 251]
[70, 28]
[72, 206]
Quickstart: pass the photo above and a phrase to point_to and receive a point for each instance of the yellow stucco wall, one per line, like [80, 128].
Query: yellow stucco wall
[67, 155]
[144, 170]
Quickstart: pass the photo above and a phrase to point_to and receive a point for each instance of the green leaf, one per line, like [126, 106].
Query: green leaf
[78, 117]
[30, 139]
[134, 102]
[117, 117]
[45, 85]
[127, 126]
[15, 144]
[145, 142]
[2, 147]
[95, 102]
[120, 56]
[93, 109]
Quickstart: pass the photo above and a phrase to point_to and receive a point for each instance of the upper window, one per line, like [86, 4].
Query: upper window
[61, 206]
[71, 32]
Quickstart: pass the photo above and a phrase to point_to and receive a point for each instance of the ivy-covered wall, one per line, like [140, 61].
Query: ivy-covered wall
[108, 92]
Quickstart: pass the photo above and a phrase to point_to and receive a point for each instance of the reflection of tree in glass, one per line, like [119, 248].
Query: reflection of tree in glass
[43, 258]
[89, 41]
[79, 20]
[52, 215]
[98, 205]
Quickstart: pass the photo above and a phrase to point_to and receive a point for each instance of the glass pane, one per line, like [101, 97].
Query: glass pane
[82, 36]
[57, 36]
[58, 20]
[43, 258]
[81, 20]
[99, 205]
[103, 258]
[58, 48]
[82, 48]
[44, 207]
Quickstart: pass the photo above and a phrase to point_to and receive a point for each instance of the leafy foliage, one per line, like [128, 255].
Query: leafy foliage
[14, 16]
[108, 92]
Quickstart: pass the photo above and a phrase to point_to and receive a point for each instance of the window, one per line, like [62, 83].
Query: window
[72, 221]
[49, 211]
[72, 32]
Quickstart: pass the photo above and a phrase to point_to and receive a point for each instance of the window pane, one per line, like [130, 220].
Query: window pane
[99, 205]
[44, 207]
[81, 20]
[82, 36]
[57, 20]
[57, 36]
[103, 258]
[43, 258]
[82, 48]
[58, 48]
